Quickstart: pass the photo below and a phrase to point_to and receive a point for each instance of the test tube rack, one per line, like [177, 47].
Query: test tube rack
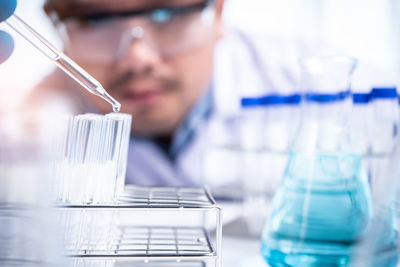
[146, 226]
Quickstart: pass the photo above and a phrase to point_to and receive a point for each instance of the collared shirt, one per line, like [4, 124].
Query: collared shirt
[169, 154]
[185, 133]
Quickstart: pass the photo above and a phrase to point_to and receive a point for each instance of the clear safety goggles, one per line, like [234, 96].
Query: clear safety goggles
[169, 31]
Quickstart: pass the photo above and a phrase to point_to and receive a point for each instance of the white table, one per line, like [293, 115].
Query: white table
[239, 249]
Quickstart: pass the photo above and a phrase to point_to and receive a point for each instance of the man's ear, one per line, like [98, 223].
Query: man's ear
[219, 18]
[50, 8]
[220, 7]
[47, 9]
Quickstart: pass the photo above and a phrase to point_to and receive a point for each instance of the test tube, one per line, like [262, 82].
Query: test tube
[61, 60]
[86, 172]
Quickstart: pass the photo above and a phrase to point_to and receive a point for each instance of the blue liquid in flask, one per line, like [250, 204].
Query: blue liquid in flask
[321, 210]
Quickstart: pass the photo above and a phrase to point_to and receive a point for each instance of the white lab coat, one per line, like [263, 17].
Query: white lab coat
[244, 66]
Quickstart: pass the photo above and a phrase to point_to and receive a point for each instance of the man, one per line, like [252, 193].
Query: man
[158, 59]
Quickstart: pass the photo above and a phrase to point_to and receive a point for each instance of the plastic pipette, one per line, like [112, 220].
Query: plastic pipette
[61, 60]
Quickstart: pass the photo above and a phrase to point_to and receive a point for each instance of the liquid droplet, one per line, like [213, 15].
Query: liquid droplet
[116, 108]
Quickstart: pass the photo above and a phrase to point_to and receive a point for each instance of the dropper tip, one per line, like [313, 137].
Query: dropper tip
[116, 107]
[106, 96]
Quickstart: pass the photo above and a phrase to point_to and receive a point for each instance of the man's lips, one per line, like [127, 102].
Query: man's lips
[142, 91]
[142, 96]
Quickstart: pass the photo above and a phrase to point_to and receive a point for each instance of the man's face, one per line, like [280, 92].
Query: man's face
[156, 70]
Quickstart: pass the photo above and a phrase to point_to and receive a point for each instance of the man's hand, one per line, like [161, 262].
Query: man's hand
[7, 8]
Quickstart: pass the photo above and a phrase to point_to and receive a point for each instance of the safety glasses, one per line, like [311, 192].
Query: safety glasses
[169, 31]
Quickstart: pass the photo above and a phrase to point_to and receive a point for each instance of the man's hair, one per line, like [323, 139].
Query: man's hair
[59, 6]
[66, 8]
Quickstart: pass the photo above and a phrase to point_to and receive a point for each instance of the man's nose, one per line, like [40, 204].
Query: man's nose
[138, 51]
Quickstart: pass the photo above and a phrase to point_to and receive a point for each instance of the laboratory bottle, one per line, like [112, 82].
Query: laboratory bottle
[253, 153]
[383, 130]
[385, 119]
[361, 119]
[266, 124]
[323, 204]
[252, 123]
[282, 119]
[269, 121]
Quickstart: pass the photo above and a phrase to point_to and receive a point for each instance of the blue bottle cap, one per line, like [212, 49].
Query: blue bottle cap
[251, 101]
[327, 98]
[281, 99]
[271, 100]
[383, 93]
[294, 99]
[361, 98]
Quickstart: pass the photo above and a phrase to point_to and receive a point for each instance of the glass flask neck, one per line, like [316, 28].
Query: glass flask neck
[327, 77]
[326, 106]
[324, 128]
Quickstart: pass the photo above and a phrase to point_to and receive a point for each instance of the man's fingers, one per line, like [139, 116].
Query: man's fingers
[6, 46]
[7, 8]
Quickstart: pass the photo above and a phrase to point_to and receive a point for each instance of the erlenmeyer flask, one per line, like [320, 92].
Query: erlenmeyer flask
[323, 205]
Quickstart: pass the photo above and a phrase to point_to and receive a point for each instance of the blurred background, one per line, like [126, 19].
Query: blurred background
[366, 29]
